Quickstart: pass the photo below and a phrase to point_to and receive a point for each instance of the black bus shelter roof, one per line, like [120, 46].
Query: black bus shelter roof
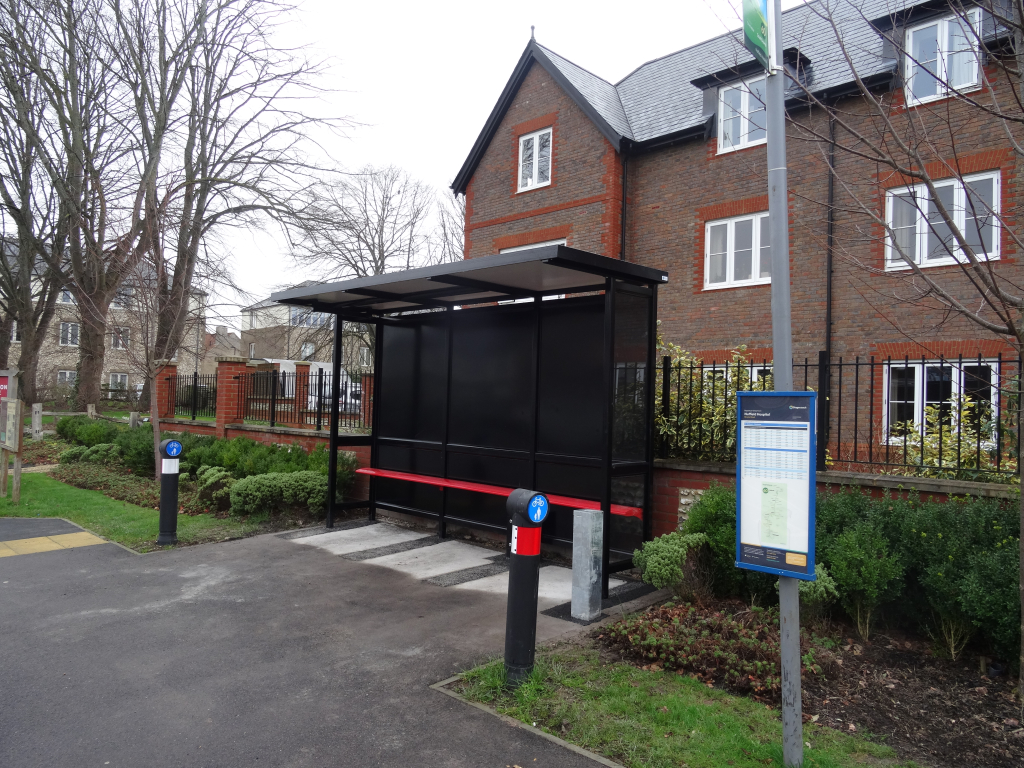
[532, 273]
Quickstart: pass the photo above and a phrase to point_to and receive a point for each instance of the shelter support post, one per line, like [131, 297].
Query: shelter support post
[332, 458]
[375, 408]
[608, 432]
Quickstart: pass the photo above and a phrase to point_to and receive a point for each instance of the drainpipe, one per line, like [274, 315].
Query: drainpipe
[622, 218]
[830, 238]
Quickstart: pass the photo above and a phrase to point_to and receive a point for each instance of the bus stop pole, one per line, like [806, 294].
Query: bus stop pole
[782, 374]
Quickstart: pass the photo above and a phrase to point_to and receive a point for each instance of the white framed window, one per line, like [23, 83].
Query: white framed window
[942, 56]
[535, 160]
[918, 230]
[742, 119]
[308, 318]
[560, 241]
[69, 334]
[910, 388]
[365, 358]
[15, 331]
[119, 381]
[66, 297]
[252, 350]
[737, 252]
[120, 338]
[67, 377]
[307, 350]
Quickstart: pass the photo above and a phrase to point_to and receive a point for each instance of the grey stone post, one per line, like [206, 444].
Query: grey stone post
[90, 410]
[133, 419]
[587, 546]
[37, 421]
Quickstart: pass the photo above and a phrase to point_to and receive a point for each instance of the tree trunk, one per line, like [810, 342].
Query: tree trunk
[92, 348]
[28, 363]
[6, 324]
[1020, 670]
[154, 419]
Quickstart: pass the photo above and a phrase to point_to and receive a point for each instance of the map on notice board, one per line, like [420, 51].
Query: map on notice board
[10, 424]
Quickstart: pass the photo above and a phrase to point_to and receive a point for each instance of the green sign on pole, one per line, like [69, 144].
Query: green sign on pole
[756, 38]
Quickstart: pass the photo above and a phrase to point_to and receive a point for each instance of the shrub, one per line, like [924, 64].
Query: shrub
[275, 491]
[104, 453]
[85, 431]
[72, 455]
[214, 486]
[816, 596]
[663, 561]
[865, 572]
[136, 446]
[714, 516]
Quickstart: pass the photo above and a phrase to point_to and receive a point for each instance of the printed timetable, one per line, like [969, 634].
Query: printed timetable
[775, 480]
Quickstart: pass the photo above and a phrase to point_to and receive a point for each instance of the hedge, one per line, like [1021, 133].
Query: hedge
[949, 570]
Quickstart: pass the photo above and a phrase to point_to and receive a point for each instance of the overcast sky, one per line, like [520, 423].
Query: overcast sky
[421, 78]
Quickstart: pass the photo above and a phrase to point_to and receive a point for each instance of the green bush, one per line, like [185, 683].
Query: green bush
[72, 455]
[866, 573]
[276, 491]
[214, 486]
[663, 561]
[104, 453]
[244, 457]
[816, 596]
[85, 431]
[957, 562]
[136, 446]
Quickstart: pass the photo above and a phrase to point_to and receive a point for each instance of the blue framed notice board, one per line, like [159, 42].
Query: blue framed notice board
[775, 483]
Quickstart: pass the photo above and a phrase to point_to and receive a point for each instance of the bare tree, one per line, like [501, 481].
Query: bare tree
[907, 181]
[31, 228]
[448, 242]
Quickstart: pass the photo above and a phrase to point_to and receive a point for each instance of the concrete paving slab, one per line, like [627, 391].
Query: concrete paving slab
[555, 585]
[441, 558]
[358, 539]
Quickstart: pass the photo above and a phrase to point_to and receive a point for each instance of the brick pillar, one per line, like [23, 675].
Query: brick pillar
[166, 375]
[229, 392]
[301, 394]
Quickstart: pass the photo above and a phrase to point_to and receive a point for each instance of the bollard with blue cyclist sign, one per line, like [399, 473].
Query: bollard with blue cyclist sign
[170, 450]
[527, 511]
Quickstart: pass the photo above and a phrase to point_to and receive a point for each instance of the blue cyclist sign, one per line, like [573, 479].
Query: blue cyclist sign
[538, 508]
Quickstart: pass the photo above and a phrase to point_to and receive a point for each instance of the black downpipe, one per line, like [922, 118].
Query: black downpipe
[825, 360]
[622, 222]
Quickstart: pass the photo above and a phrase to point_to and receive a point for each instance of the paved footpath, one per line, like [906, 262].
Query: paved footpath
[269, 651]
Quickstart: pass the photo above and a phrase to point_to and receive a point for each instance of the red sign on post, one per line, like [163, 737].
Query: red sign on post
[3, 386]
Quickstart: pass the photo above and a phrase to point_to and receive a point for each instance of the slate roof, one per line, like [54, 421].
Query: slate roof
[658, 99]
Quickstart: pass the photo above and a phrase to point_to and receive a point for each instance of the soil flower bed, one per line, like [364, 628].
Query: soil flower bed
[934, 710]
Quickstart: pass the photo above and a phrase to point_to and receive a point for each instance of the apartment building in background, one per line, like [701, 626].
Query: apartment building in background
[667, 168]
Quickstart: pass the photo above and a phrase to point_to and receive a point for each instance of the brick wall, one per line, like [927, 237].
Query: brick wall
[584, 200]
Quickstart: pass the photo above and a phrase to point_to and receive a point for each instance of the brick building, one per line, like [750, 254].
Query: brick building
[684, 136]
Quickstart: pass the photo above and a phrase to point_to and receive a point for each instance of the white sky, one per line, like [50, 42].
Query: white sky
[421, 78]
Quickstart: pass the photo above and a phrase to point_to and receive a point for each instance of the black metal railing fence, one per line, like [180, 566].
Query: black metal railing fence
[303, 399]
[954, 418]
[194, 395]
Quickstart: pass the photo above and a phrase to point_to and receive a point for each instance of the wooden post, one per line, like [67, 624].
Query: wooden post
[37, 421]
[16, 484]
[5, 458]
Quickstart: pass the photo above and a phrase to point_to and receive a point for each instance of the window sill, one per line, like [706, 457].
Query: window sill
[741, 147]
[533, 188]
[901, 266]
[911, 102]
[744, 284]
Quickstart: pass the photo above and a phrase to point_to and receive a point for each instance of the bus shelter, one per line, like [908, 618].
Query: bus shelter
[530, 369]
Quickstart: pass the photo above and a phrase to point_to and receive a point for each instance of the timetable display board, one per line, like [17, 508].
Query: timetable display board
[775, 483]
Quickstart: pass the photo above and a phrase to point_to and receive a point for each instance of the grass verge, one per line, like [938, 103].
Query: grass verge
[655, 719]
[134, 527]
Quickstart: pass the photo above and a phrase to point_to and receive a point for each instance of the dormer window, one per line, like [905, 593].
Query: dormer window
[741, 115]
[535, 160]
[942, 56]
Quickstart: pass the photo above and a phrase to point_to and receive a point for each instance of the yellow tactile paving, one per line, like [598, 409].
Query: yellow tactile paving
[48, 543]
